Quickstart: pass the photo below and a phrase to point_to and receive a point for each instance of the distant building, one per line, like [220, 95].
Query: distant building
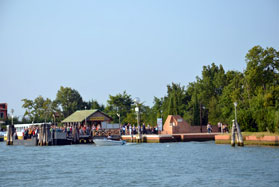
[87, 117]
[3, 112]
[175, 124]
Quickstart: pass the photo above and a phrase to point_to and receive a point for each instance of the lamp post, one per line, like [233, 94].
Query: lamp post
[137, 101]
[12, 111]
[118, 114]
[201, 108]
[235, 105]
[85, 116]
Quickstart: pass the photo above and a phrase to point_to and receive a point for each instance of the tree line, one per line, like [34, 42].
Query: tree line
[210, 98]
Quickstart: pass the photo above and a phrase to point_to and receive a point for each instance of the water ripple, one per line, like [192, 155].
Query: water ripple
[169, 164]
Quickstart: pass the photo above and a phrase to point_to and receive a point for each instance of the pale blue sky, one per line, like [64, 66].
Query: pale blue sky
[105, 47]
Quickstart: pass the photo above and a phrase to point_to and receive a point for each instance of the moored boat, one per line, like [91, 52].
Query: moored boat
[2, 136]
[108, 142]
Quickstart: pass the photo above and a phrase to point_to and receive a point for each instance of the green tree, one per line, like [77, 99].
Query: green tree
[93, 104]
[69, 100]
[119, 104]
[196, 113]
[40, 110]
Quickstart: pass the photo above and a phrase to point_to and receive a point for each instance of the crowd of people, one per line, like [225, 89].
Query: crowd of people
[82, 130]
[27, 133]
[126, 129]
[222, 128]
[129, 129]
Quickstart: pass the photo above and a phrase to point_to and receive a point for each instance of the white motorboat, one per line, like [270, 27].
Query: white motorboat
[108, 142]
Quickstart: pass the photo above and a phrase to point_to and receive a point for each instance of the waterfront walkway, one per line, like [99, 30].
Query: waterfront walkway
[185, 137]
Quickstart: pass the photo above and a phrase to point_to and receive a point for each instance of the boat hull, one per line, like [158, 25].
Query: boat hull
[106, 142]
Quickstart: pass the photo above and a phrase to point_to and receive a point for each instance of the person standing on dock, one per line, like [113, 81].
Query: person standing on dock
[220, 129]
[143, 128]
[134, 130]
[123, 130]
[209, 129]
[130, 129]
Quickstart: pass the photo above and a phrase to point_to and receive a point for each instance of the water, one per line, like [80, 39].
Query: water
[168, 164]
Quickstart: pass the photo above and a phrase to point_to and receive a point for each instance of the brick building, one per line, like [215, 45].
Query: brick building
[3, 112]
[175, 124]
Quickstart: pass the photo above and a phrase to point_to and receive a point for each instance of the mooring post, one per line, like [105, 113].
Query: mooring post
[239, 135]
[233, 135]
[47, 134]
[8, 132]
[74, 133]
[41, 135]
[44, 134]
[77, 133]
[8, 135]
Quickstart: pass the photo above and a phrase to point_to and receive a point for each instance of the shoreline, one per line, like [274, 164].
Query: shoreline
[251, 139]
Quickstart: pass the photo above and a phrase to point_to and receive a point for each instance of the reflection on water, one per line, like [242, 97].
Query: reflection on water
[168, 164]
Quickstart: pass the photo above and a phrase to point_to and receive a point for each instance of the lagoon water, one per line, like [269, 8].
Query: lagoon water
[167, 164]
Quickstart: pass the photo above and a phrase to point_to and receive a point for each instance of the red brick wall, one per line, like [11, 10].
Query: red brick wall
[181, 126]
[4, 109]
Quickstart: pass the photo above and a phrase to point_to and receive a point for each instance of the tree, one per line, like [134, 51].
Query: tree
[93, 104]
[196, 111]
[39, 110]
[29, 106]
[175, 103]
[121, 104]
[69, 100]
[262, 68]
[157, 107]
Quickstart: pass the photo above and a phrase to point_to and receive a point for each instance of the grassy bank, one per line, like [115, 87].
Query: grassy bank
[257, 134]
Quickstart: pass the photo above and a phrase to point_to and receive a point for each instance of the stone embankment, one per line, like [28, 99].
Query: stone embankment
[271, 140]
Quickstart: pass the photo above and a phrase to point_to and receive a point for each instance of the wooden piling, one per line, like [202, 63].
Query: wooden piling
[47, 134]
[239, 135]
[40, 136]
[233, 135]
[10, 132]
[74, 134]
[44, 135]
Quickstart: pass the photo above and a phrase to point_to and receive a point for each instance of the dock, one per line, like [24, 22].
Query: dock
[249, 140]
[162, 138]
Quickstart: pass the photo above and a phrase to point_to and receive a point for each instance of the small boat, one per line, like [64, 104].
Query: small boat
[2, 136]
[108, 142]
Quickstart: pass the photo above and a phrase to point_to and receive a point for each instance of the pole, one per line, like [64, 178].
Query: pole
[138, 122]
[201, 117]
[119, 120]
[233, 135]
[239, 135]
[235, 113]
[235, 104]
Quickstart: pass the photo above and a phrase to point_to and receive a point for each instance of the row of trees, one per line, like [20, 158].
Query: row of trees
[209, 98]
[67, 101]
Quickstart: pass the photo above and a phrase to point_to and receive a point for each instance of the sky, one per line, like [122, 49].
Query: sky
[105, 47]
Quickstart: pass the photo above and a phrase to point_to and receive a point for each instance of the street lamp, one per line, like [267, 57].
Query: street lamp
[235, 105]
[201, 107]
[137, 101]
[118, 114]
[12, 111]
